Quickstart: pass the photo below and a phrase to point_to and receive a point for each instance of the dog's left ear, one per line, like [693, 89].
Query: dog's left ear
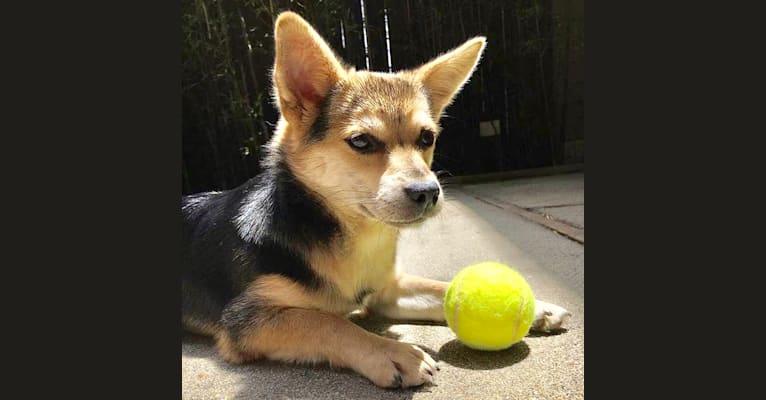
[305, 69]
[444, 76]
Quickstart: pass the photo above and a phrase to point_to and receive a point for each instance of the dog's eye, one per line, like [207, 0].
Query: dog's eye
[362, 143]
[426, 138]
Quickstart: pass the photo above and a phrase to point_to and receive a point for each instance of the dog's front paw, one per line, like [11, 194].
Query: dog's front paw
[549, 317]
[398, 364]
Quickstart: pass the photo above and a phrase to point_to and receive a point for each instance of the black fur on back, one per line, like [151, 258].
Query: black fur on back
[264, 226]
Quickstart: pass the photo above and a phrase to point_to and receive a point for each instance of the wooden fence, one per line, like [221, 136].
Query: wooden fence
[522, 109]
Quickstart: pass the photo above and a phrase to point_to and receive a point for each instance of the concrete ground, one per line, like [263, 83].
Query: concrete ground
[479, 222]
[559, 196]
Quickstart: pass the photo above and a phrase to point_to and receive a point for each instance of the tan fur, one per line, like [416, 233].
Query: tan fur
[304, 69]
[279, 291]
[302, 335]
[363, 262]
[447, 74]
[231, 351]
[393, 108]
[300, 325]
[365, 192]
[410, 297]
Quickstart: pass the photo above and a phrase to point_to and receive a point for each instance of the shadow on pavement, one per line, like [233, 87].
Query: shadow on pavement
[381, 325]
[460, 355]
[264, 379]
[270, 379]
[546, 334]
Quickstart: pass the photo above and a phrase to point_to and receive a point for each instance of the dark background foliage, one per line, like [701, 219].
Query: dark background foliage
[529, 82]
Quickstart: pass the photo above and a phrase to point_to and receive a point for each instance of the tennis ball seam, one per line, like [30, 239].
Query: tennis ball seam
[518, 320]
[455, 295]
[456, 309]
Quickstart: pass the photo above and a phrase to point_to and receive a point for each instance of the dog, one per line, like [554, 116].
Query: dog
[272, 268]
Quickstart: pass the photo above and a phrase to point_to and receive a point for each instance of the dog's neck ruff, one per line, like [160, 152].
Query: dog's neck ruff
[277, 207]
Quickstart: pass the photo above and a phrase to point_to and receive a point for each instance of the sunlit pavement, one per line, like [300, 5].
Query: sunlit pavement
[478, 222]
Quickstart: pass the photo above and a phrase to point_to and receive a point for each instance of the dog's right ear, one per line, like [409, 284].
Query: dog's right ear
[305, 69]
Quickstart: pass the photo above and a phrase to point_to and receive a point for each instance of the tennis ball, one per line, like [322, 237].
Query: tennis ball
[489, 306]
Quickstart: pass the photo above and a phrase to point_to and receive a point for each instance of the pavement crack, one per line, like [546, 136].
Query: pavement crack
[549, 216]
[565, 229]
[558, 205]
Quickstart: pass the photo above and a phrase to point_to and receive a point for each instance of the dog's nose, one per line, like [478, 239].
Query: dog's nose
[425, 193]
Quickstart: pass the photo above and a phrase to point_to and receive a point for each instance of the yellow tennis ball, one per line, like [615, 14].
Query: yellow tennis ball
[489, 306]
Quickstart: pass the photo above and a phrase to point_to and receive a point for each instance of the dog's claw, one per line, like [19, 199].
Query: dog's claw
[397, 381]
